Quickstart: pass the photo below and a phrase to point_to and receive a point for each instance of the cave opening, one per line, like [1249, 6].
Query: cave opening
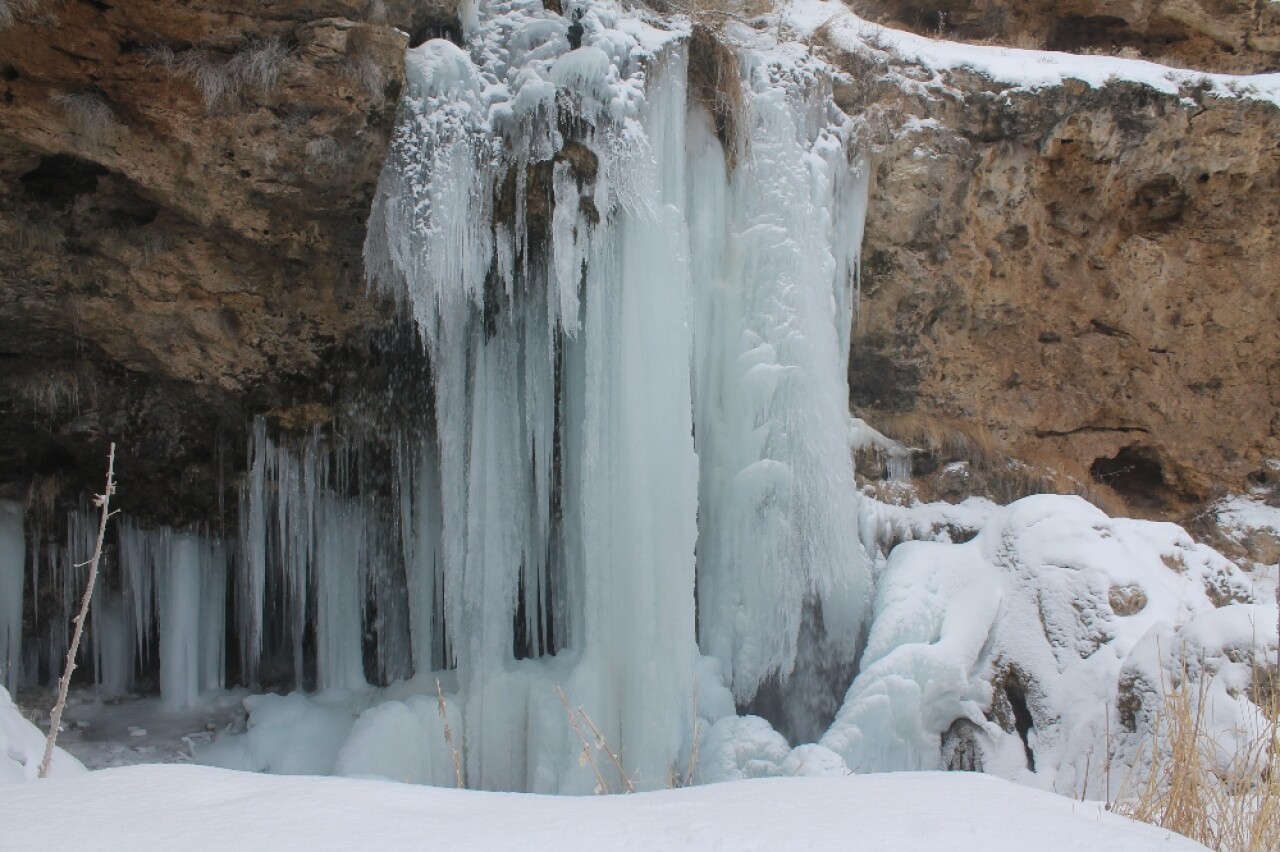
[1134, 473]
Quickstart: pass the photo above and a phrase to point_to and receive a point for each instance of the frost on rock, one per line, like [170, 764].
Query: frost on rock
[1044, 644]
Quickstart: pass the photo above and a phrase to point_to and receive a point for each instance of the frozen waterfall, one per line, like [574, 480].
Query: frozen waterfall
[631, 493]
[641, 391]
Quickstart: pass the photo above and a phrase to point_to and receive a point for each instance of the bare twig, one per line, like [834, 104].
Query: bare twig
[448, 738]
[603, 746]
[693, 747]
[586, 757]
[102, 501]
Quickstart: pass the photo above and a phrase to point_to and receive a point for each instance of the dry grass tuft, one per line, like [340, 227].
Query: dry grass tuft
[257, 65]
[1222, 791]
[580, 722]
[715, 81]
[991, 470]
[12, 11]
[88, 115]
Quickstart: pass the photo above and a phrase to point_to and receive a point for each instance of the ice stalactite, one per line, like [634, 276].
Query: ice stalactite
[13, 558]
[158, 589]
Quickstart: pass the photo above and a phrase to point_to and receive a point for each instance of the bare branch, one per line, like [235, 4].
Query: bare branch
[55, 718]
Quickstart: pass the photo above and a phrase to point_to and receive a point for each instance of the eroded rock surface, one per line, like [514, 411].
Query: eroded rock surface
[183, 191]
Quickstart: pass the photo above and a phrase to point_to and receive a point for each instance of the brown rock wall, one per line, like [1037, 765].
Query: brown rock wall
[1089, 274]
[183, 191]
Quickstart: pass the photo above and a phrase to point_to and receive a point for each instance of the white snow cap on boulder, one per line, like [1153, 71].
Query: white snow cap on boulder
[22, 747]
[1047, 638]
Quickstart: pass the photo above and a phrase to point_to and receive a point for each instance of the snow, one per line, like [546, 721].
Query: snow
[21, 750]
[1021, 69]
[1073, 605]
[197, 808]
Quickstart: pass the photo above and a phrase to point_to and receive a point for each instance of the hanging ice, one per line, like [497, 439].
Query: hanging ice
[13, 558]
[595, 285]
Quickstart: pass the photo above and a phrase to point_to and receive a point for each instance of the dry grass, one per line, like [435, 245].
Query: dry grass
[458, 777]
[715, 81]
[32, 234]
[994, 473]
[12, 11]
[258, 64]
[1223, 792]
[592, 745]
[88, 115]
[323, 154]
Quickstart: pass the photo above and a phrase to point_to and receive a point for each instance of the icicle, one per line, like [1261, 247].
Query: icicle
[252, 585]
[113, 649]
[13, 558]
[213, 608]
[340, 555]
[137, 574]
[178, 563]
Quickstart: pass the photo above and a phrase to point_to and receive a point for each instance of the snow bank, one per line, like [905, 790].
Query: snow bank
[194, 808]
[1021, 69]
[21, 750]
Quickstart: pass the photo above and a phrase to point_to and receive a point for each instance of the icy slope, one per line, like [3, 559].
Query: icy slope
[190, 808]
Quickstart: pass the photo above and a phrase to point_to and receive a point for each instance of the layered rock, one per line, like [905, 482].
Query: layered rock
[1085, 274]
[1081, 277]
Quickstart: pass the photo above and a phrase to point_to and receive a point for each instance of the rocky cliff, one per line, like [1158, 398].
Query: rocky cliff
[1088, 274]
[183, 190]
[1084, 275]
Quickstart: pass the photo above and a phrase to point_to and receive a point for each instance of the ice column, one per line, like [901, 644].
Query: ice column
[775, 243]
[191, 575]
[13, 556]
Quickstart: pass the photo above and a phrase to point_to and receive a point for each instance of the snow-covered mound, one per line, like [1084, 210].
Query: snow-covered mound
[1044, 643]
[22, 747]
[195, 808]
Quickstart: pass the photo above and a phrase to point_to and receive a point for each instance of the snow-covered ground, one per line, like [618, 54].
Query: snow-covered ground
[198, 808]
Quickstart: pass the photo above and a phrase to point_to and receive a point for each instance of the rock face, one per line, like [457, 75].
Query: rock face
[1085, 276]
[1236, 36]
[1088, 274]
[183, 193]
